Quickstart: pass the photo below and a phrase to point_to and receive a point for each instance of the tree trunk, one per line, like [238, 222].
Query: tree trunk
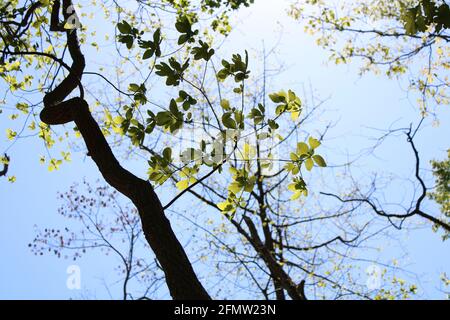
[180, 276]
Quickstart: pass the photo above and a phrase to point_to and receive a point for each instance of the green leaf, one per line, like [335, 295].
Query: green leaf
[295, 115]
[234, 187]
[238, 68]
[302, 148]
[24, 107]
[309, 163]
[124, 27]
[225, 104]
[157, 36]
[173, 71]
[182, 184]
[163, 118]
[134, 87]
[222, 74]
[148, 54]
[314, 143]
[173, 107]
[228, 121]
[272, 124]
[167, 154]
[10, 134]
[222, 205]
[249, 184]
[127, 39]
[296, 195]
[183, 25]
[319, 160]
[278, 97]
[202, 52]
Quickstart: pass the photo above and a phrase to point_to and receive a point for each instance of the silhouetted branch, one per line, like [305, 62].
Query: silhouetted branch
[412, 211]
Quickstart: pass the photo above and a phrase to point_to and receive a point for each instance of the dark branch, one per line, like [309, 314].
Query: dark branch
[411, 212]
[5, 166]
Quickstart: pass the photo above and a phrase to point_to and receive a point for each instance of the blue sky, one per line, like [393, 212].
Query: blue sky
[358, 103]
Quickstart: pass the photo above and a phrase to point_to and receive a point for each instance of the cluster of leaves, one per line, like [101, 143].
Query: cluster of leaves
[441, 193]
[221, 22]
[184, 26]
[423, 15]
[288, 102]
[173, 71]
[24, 28]
[257, 114]
[203, 51]
[9, 71]
[188, 176]
[160, 169]
[217, 11]
[237, 68]
[176, 116]
[159, 166]
[399, 290]
[305, 154]
[233, 4]
[169, 120]
[139, 92]
[172, 119]
[242, 181]
[14, 11]
[232, 119]
[394, 37]
[186, 99]
[128, 125]
[128, 35]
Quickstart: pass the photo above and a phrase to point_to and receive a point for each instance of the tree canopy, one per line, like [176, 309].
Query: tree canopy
[215, 131]
[403, 39]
